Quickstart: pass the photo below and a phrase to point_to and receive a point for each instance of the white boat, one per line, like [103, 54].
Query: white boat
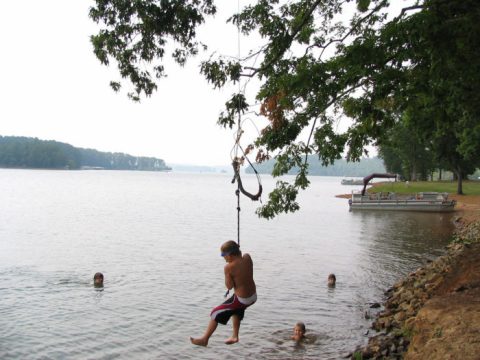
[423, 201]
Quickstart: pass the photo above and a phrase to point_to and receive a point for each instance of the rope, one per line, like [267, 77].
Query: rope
[237, 192]
[237, 161]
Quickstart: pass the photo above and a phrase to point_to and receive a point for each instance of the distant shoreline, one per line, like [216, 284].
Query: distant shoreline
[33, 153]
[91, 169]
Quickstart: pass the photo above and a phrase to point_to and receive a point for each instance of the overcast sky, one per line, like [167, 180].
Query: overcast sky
[53, 88]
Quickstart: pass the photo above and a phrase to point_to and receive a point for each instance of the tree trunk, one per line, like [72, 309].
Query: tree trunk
[413, 172]
[439, 174]
[459, 182]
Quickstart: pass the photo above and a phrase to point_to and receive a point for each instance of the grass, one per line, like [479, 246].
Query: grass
[405, 332]
[357, 355]
[438, 332]
[469, 187]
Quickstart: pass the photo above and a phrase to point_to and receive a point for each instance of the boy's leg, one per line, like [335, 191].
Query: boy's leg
[236, 329]
[203, 341]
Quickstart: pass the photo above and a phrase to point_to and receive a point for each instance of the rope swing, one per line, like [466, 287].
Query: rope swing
[237, 160]
[236, 177]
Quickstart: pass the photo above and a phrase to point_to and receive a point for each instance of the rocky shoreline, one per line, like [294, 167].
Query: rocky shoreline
[402, 330]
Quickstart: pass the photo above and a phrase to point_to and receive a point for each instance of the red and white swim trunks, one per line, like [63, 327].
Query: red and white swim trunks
[233, 306]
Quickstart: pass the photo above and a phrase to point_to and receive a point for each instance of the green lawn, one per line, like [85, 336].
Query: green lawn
[469, 187]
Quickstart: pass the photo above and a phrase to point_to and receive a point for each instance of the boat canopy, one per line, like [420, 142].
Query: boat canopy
[367, 179]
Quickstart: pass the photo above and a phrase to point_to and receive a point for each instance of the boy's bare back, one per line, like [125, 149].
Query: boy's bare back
[239, 275]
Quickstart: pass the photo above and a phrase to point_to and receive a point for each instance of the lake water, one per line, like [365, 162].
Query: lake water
[156, 238]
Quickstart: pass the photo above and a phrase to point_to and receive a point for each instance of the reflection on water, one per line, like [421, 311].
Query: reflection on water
[156, 239]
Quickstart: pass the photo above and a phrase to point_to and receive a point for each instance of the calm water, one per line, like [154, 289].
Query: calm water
[156, 238]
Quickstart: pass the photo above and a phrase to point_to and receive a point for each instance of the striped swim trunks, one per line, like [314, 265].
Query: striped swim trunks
[233, 306]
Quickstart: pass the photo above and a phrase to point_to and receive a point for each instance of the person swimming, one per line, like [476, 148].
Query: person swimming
[331, 280]
[98, 279]
[299, 331]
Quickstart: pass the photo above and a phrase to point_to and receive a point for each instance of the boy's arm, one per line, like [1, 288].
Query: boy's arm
[229, 283]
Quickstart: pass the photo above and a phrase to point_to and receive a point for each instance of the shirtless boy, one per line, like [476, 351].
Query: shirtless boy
[239, 276]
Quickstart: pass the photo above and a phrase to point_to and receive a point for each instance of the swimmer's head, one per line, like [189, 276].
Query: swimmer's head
[98, 279]
[299, 331]
[332, 280]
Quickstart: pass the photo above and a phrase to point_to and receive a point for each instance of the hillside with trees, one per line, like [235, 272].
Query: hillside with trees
[341, 167]
[33, 153]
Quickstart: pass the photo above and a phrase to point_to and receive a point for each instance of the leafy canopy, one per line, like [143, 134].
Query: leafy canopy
[320, 61]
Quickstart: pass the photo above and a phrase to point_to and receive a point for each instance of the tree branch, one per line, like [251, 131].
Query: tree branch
[289, 38]
[409, 8]
[330, 103]
[352, 29]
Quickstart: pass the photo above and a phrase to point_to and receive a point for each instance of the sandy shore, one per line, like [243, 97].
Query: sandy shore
[434, 313]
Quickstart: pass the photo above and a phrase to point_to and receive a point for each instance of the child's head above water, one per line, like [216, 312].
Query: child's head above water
[299, 331]
[98, 279]
[332, 280]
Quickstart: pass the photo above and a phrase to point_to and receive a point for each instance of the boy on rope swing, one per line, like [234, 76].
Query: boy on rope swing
[239, 276]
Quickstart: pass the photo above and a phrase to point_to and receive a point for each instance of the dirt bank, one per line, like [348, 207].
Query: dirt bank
[434, 313]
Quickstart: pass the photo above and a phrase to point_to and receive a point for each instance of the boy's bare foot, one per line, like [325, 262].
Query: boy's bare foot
[231, 340]
[199, 342]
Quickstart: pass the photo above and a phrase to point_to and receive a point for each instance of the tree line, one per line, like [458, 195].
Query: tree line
[342, 167]
[415, 159]
[33, 153]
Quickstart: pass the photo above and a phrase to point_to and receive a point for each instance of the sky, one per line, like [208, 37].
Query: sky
[54, 88]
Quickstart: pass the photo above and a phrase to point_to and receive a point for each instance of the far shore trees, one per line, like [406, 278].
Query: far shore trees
[32, 153]
[320, 62]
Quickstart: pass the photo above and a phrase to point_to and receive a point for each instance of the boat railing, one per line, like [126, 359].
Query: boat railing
[429, 197]
[390, 200]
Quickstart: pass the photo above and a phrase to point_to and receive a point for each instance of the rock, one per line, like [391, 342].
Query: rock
[386, 313]
[418, 294]
[406, 295]
[409, 324]
[429, 286]
[419, 285]
[411, 311]
[400, 316]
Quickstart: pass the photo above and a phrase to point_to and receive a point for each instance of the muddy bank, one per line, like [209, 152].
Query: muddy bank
[434, 313]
